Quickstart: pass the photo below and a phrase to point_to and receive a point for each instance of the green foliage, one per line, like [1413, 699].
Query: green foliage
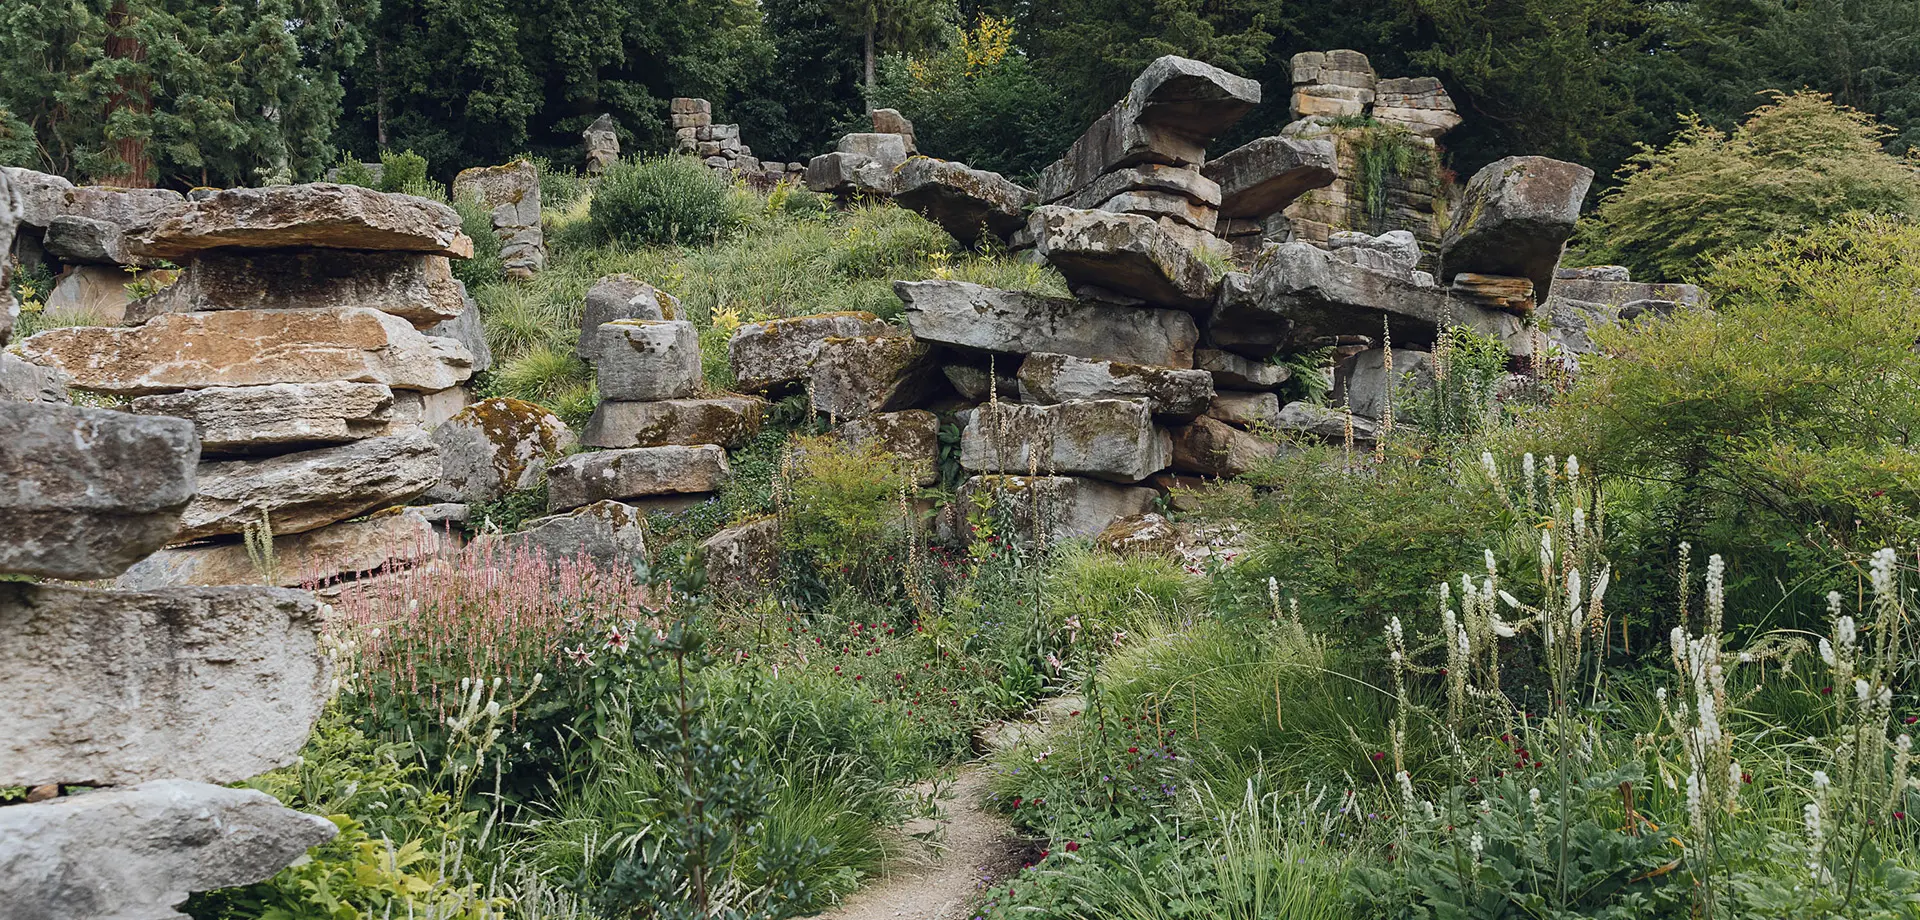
[1774, 427]
[405, 172]
[1791, 166]
[1385, 152]
[476, 221]
[847, 509]
[18, 146]
[672, 199]
[1459, 402]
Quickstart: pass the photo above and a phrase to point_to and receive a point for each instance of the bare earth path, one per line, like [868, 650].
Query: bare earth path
[977, 846]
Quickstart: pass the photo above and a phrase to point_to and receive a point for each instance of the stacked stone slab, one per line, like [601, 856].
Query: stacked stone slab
[1584, 298]
[79, 234]
[860, 166]
[1331, 87]
[602, 143]
[662, 444]
[239, 669]
[720, 146]
[511, 194]
[293, 347]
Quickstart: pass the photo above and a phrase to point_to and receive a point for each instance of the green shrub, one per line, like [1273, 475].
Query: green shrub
[670, 199]
[1792, 166]
[476, 221]
[406, 173]
[847, 510]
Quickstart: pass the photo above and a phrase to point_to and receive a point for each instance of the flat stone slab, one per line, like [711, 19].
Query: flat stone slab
[88, 492]
[1264, 176]
[729, 421]
[317, 214]
[114, 687]
[1125, 253]
[187, 351]
[1233, 372]
[610, 535]
[136, 853]
[1211, 447]
[496, 446]
[846, 173]
[967, 203]
[1300, 294]
[583, 479]
[1172, 109]
[743, 561]
[1060, 508]
[417, 287]
[25, 381]
[1112, 439]
[859, 376]
[311, 489]
[391, 538]
[1184, 181]
[1514, 217]
[621, 296]
[1622, 292]
[1322, 423]
[779, 352]
[1051, 378]
[912, 435]
[276, 417]
[1245, 409]
[971, 316]
[644, 359]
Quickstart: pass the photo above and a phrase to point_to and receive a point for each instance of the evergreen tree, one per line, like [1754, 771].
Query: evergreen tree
[1092, 49]
[891, 25]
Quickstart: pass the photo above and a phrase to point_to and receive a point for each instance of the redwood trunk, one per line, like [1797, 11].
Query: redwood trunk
[131, 95]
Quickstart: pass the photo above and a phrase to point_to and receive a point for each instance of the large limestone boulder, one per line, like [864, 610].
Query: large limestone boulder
[1127, 254]
[1364, 384]
[1395, 252]
[1334, 84]
[729, 421]
[968, 203]
[317, 214]
[512, 194]
[37, 197]
[78, 240]
[87, 492]
[1156, 178]
[621, 296]
[184, 351]
[850, 174]
[1304, 419]
[136, 853]
[1058, 508]
[1174, 107]
[11, 210]
[643, 359]
[468, 330]
[1419, 104]
[1513, 218]
[311, 489]
[387, 539]
[776, 353]
[1244, 409]
[912, 435]
[24, 381]
[1211, 447]
[113, 687]
[276, 417]
[970, 316]
[855, 377]
[1233, 372]
[1264, 176]
[1301, 294]
[496, 446]
[417, 287]
[743, 561]
[1111, 439]
[1050, 378]
[610, 535]
[583, 479]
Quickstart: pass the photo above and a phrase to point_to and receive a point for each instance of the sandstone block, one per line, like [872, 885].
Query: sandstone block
[39, 197]
[496, 446]
[1060, 508]
[1364, 384]
[1264, 176]
[1322, 423]
[1111, 439]
[967, 203]
[840, 173]
[89, 491]
[1163, 206]
[642, 359]
[1211, 447]
[87, 240]
[729, 421]
[1233, 372]
[610, 535]
[1514, 217]
[779, 352]
[276, 417]
[1052, 378]
[1173, 108]
[24, 381]
[311, 489]
[1244, 409]
[468, 330]
[1184, 181]
[1495, 292]
[317, 214]
[89, 295]
[583, 479]
[1393, 252]
[987, 319]
[1419, 104]
[416, 287]
[136, 853]
[113, 687]
[743, 560]
[912, 435]
[184, 351]
[1125, 253]
[617, 297]
[393, 538]
[858, 376]
[887, 149]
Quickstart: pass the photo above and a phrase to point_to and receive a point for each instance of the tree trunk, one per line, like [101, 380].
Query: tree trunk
[380, 94]
[870, 29]
[129, 95]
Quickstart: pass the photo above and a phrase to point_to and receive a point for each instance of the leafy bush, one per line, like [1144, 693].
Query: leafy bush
[406, 173]
[1792, 166]
[670, 199]
[847, 510]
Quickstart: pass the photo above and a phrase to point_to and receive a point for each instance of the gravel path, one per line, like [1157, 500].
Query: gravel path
[976, 846]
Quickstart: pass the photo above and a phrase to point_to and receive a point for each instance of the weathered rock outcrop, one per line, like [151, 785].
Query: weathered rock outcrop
[776, 353]
[743, 560]
[1211, 447]
[1514, 218]
[307, 490]
[617, 297]
[912, 435]
[1243, 409]
[644, 359]
[88, 491]
[729, 421]
[1058, 508]
[1112, 439]
[317, 214]
[584, 479]
[1263, 176]
[1128, 254]
[987, 319]
[1233, 372]
[511, 193]
[855, 377]
[111, 688]
[968, 203]
[496, 446]
[611, 535]
[392, 538]
[278, 416]
[418, 288]
[1169, 114]
[24, 381]
[1050, 378]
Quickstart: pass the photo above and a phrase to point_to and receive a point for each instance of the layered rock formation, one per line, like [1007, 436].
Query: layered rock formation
[720, 146]
[511, 194]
